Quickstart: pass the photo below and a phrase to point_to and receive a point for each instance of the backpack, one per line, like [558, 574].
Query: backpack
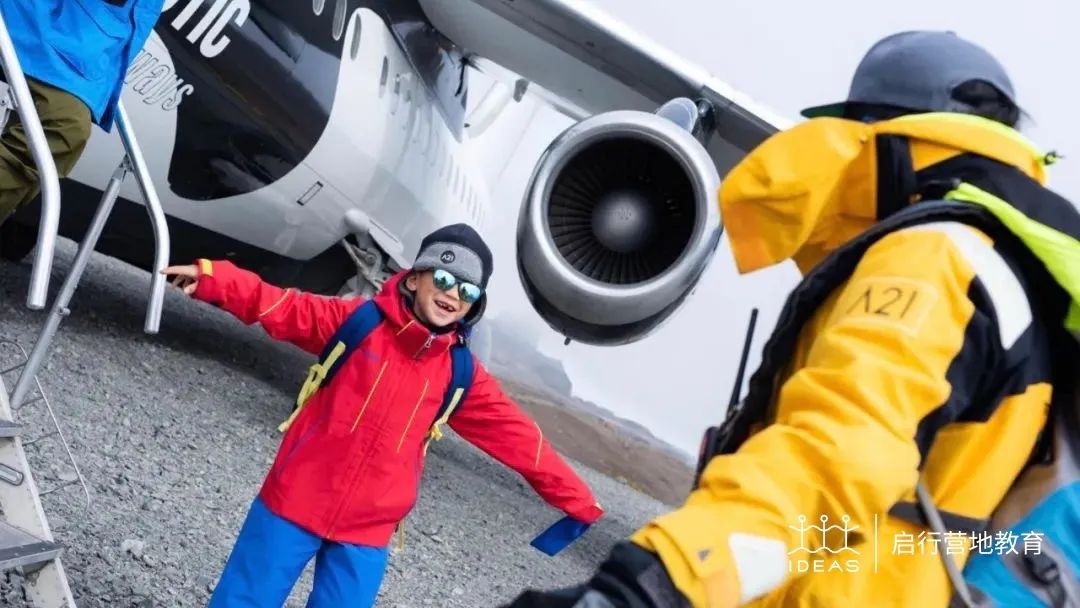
[348, 337]
[1029, 555]
[1043, 501]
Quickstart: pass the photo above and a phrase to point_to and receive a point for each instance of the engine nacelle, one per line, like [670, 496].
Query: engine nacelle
[619, 221]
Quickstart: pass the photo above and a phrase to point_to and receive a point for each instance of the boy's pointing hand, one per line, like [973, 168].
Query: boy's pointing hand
[187, 277]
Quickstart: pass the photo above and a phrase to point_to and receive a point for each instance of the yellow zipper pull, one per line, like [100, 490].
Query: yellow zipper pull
[401, 537]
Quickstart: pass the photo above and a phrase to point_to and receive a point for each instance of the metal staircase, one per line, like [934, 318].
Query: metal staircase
[26, 541]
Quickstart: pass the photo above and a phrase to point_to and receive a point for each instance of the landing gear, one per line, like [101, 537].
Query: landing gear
[373, 268]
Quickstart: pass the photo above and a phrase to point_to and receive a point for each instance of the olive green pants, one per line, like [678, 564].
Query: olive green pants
[66, 122]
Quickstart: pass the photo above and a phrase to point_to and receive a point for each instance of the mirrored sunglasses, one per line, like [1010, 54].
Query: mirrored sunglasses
[468, 292]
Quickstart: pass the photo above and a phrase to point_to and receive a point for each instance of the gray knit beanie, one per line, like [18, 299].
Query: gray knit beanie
[459, 250]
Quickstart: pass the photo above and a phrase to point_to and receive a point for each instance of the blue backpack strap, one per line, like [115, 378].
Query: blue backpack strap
[461, 377]
[346, 338]
[351, 333]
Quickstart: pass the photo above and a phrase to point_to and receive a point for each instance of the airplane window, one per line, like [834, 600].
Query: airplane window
[417, 117]
[418, 125]
[317, 6]
[356, 38]
[397, 93]
[384, 76]
[339, 18]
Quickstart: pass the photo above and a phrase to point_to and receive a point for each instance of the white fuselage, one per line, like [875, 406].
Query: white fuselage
[386, 153]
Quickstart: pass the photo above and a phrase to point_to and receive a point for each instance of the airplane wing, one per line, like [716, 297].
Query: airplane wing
[596, 63]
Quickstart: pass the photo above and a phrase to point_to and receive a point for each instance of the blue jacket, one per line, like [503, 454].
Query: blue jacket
[81, 46]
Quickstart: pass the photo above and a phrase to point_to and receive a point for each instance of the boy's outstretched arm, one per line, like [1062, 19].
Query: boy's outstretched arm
[491, 421]
[306, 320]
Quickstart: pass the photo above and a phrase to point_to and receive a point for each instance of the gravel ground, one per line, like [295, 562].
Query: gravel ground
[174, 432]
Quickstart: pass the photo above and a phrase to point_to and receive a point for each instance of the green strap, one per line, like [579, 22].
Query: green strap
[1059, 252]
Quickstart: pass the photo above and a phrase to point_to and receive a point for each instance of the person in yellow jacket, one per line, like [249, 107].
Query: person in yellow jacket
[907, 383]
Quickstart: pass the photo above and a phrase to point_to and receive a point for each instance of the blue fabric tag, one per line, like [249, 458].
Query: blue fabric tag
[559, 535]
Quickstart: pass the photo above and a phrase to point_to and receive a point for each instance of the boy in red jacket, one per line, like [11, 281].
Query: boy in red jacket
[349, 465]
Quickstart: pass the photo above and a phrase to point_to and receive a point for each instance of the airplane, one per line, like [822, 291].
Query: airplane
[316, 143]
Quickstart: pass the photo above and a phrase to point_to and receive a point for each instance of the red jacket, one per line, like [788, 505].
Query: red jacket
[349, 466]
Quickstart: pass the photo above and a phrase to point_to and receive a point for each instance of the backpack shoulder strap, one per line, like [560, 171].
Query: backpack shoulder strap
[346, 338]
[461, 377]
[802, 303]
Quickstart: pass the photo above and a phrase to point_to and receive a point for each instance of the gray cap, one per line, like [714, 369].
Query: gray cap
[918, 70]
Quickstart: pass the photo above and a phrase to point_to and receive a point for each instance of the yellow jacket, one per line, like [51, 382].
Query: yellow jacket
[892, 377]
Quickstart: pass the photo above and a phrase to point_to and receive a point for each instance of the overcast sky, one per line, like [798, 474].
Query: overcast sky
[787, 55]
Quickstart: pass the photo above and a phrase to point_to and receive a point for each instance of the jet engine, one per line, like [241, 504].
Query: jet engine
[618, 223]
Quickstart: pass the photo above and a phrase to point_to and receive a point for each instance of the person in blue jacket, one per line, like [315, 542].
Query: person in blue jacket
[74, 54]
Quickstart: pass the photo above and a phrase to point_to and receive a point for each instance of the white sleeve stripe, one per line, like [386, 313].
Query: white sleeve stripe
[760, 563]
[1007, 295]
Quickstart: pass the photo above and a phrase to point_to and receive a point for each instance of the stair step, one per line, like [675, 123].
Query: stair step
[19, 548]
[10, 429]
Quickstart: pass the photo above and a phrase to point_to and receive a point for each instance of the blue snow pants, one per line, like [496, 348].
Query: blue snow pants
[270, 554]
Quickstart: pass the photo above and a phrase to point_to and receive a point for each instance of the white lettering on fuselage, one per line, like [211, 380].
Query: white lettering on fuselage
[208, 32]
[156, 82]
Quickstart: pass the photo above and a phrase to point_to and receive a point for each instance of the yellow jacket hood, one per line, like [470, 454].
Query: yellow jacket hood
[808, 190]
